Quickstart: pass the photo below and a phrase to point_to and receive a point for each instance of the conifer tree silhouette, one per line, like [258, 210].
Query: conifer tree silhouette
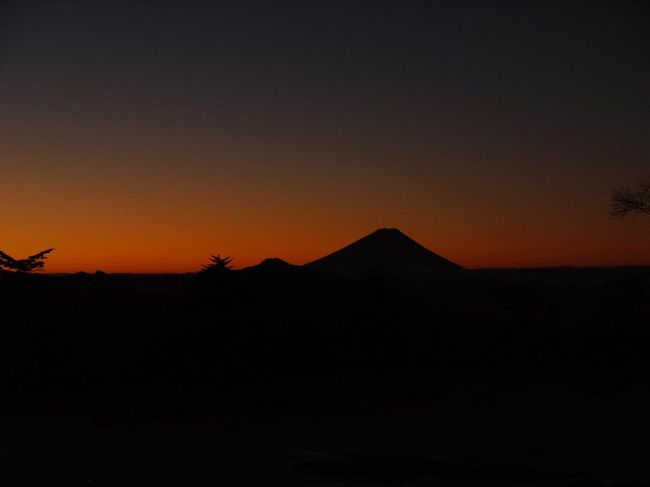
[217, 273]
[28, 265]
[217, 264]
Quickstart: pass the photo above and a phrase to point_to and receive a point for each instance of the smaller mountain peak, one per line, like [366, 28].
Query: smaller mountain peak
[273, 264]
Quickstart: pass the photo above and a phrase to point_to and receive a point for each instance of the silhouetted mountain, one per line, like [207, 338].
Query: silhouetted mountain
[385, 249]
[274, 264]
[284, 277]
[274, 269]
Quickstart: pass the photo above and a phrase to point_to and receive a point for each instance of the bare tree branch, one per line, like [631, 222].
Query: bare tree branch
[630, 201]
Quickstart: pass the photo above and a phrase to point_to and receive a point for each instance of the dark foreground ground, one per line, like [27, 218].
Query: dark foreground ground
[280, 376]
[571, 432]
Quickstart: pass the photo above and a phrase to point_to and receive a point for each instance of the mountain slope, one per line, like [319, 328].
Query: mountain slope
[385, 249]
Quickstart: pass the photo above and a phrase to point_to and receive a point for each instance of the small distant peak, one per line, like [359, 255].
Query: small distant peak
[271, 265]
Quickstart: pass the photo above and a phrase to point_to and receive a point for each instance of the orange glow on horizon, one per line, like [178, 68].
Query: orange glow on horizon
[138, 222]
[134, 221]
[181, 253]
[148, 214]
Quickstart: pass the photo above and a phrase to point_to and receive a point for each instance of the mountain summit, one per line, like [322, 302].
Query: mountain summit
[386, 249]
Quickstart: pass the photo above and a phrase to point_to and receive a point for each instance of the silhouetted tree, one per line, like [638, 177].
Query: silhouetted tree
[32, 263]
[217, 264]
[218, 272]
[631, 201]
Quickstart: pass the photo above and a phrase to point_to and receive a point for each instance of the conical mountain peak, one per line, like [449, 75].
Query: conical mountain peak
[386, 232]
[385, 248]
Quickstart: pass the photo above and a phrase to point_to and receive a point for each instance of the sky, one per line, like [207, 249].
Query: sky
[146, 136]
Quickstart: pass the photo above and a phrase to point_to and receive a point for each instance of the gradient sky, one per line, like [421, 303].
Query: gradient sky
[145, 138]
